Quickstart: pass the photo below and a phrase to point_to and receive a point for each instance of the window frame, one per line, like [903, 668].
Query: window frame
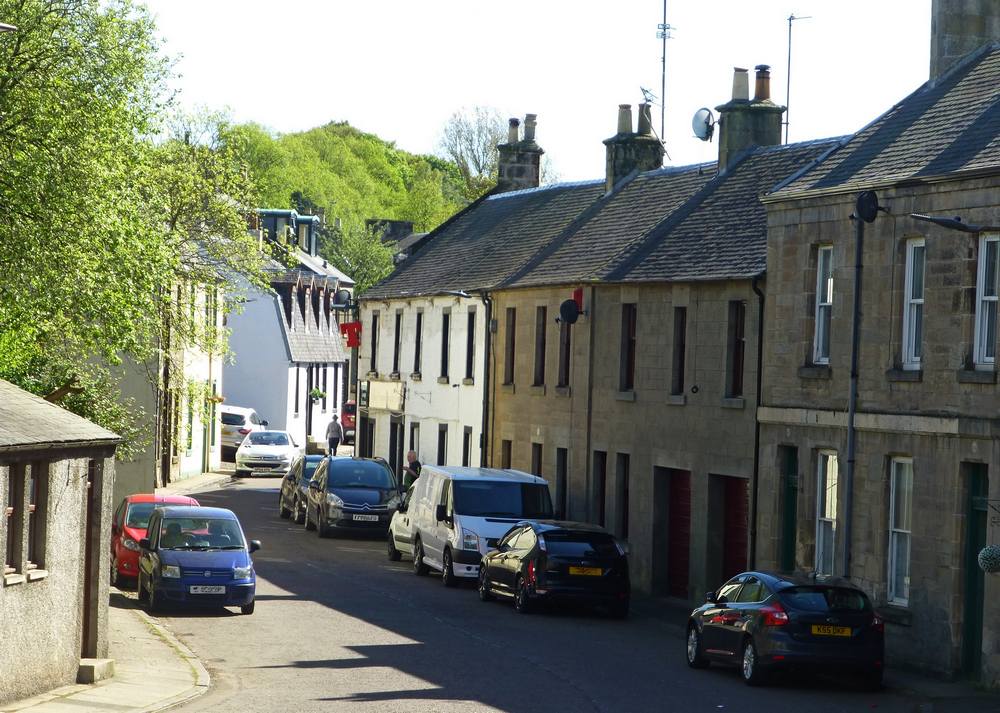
[896, 533]
[981, 358]
[630, 319]
[912, 348]
[442, 444]
[541, 317]
[445, 342]
[679, 351]
[510, 343]
[736, 348]
[373, 360]
[470, 344]
[418, 342]
[823, 458]
[467, 446]
[565, 344]
[823, 307]
[397, 345]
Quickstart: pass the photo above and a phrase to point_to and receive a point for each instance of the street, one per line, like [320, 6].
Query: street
[339, 627]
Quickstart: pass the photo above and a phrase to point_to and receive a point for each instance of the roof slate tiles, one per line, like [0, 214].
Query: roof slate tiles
[29, 421]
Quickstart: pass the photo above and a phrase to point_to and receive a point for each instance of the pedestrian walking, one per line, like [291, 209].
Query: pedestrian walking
[334, 435]
[411, 470]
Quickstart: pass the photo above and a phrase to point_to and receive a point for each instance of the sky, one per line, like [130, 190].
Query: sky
[400, 69]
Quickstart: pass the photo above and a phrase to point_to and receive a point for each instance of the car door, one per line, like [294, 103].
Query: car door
[743, 609]
[402, 530]
[116, 529]
[720, 615]
[502, 567]
[148, 558]
[524, 550]
[441, 529]
[317, 493]
[290, 482]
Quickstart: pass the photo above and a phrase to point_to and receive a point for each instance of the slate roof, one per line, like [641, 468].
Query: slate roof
[948, 125]
[29, 422]
[320, 345]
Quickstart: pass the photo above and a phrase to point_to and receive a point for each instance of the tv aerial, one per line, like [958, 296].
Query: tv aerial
[703, 124]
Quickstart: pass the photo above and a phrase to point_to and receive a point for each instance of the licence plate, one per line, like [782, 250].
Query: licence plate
[366, 518]
[207, 589]
[824, 630]
[587, 571]
[262, 472]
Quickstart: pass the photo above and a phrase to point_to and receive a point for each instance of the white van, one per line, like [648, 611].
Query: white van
[458, 514]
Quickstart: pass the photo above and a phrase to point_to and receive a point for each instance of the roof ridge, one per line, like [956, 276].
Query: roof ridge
[494, 196]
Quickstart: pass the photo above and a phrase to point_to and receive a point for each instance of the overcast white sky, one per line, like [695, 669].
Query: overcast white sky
[400, 68]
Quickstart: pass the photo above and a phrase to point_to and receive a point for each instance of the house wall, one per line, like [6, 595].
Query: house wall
[253, 377]
[138, 475]
[202, 451]
[941, 415]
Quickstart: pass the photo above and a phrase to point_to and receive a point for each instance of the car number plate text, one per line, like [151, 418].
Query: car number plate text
[207, 589]
[824, 630]
[587, 571]
[366, 518]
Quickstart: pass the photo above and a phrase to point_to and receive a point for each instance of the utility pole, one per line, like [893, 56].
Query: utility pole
[663, 33]
[788, 72]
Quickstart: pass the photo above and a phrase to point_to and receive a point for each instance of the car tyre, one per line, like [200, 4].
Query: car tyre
[485, 595]
[283, 512]
[695, 655]
[750, 668]
[299, 512]
[448, 577]
[391, 551]
[247, 608]
[308, 520]
[321, 529]
[522, 602]
[154, 601]
[419, 567]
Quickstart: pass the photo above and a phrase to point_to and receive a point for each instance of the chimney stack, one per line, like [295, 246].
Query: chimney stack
[959, 27]
[520, 159]
[628, 151]
[744, 123]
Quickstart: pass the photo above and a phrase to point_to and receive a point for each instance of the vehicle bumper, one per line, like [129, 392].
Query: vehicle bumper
[127, 562]
[344, 520]
[587, 595]
[269, 469]
[783, 650]
[465, 563]
[237, 593]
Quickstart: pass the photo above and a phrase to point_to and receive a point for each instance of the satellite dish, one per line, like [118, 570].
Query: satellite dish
[703, 124]
[867, 206]
[569, 312]
[341, 299]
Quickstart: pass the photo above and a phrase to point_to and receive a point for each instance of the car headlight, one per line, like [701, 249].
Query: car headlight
[129, 544]
[242, 572]
[470, 540]
[170, 571]
[334, 501]
[393, 502]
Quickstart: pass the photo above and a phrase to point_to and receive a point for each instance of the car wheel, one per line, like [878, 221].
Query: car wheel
[247, 608]
[283, 512]
[753, 674]
[299, 512]
[393, 554]
[308, 520]
[521, 600]
[321, 529]
[695, 656]
[154, 601]
[485, 594]
[140, 591]
[448, 577]
[419, 568]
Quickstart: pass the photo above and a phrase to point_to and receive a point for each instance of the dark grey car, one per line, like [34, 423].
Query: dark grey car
[295, 487]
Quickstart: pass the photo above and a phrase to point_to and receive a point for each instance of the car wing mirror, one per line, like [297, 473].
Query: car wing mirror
[264, 424]
[441, 513]
[144, 543]
[254, 545]
[711, 598]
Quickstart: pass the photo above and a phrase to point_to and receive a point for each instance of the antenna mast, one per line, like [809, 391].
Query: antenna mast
[663, 33]
[788, 73]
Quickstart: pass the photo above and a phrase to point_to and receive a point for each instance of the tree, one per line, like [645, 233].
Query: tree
[469, 139]
[362, 255]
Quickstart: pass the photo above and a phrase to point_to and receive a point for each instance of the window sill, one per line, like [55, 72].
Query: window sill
[815, 371]
[625, 396]
[537, 389]
[394, 376]
[734, 402]
[563, 391]
[970, 376]
[677, 399]
[37, 574]
[507, 388]
[9, 579]
[372, 375]
[467, 381]
[444, 380]
[415, 376]
[904, 375]
[895, 614]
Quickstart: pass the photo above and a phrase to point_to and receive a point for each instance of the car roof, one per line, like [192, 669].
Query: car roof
[784, 580]
[165, 498]
[314, 457]
[456, 472]
[570, 525]
[199, 512]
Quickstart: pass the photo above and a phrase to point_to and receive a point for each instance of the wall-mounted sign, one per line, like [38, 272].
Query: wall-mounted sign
[352, 331]
[386, 395]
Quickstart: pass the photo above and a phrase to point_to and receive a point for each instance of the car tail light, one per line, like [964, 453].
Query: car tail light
[531, 572]
[244, 431]
[877, 624]
[774, 615]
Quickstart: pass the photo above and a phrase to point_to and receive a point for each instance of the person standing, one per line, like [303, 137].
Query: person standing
[334, 435]
[411, 470]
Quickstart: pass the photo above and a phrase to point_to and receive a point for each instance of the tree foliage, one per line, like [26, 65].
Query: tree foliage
[361, 254]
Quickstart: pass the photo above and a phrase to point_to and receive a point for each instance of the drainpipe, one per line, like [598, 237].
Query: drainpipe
[590, 403]
[852, 399]
[486, 432]
[756, 420]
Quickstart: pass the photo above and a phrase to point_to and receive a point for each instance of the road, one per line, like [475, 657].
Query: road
[338, 627]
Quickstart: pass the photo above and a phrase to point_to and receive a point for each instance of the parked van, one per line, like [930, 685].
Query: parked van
[458, 514]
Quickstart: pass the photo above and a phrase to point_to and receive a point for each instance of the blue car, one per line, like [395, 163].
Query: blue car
[197, 556]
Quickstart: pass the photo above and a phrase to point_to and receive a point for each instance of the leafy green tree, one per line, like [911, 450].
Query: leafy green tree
[362, 255]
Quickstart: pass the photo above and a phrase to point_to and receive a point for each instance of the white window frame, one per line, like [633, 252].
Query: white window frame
[823, 307]
[899, 533]
[913, 306]
[823, 460]
[982, 357]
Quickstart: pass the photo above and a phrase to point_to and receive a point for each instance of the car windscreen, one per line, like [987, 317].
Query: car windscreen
[499, 499]
[564, 543]
[187, 533]
[359, 474]
[819, 598]
[138, 514]
[233, 419]
[309, 467]
[268, 438]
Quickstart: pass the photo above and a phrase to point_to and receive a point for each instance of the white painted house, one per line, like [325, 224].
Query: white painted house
[289, 360]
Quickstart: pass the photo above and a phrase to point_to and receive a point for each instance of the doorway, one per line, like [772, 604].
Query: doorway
[977, 486]
[87, 638]
[396, 446]
[735, 528]
[672, 491]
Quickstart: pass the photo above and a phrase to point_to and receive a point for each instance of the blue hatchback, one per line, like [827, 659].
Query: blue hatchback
[197, 556]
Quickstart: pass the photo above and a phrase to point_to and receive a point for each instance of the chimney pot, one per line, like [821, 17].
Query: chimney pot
[645, 121]
[512, 131]
[741, 84]
[529, 126]
[624, 118]
[762, 89]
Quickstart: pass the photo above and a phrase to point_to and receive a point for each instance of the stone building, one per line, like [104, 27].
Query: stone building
[909, 522]
[56, 480]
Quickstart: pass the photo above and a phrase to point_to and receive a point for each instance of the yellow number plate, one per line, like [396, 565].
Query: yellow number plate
[587, 571]
[823, 630]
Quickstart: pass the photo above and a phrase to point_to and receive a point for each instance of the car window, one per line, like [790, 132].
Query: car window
[268, 438]
[729, 589]
[307, 470]
[154, 533]
[445, 493]
[350, 473]
[567, 543]
[232, 419]
[753, 591]
[350, 409]
[526, 541]
[407, 496]
[821, 598]
[502, 499]
[510, 539]
[120, 514]
[139, 514]
[196, 533]
[254, 418]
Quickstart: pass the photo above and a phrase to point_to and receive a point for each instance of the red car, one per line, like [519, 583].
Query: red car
[347, 416]
[129, 526]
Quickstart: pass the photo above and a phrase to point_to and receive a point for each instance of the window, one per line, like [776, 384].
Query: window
[442, 443]
[15, 499]
[621, 495]
[505, 447]
[536, 458]
[415, 437]
[824, 304]
[325, 392]
[212, 427]
[913, 304]
[736, 349]
[986, 301]
[600, 484]
[418, 342]
[540, 319]
[38, 486]
[467, 446]
[627, 370]
[900, 507]
[564, 350]
[752, 591]
[470, 345]
[297, 370]
[445, 342]
[562, 496]
[826, 511]
[508, 348]
[680, 350]
[373, 366]
[396, 343]
[189, 442]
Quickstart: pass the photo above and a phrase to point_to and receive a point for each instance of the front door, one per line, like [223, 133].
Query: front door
[735, 530]
[679, 544]
[975, 540]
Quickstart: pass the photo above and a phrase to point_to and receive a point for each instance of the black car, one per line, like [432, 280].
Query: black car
[345, 493]
[763, 622]
[552, 559]
[295, 487]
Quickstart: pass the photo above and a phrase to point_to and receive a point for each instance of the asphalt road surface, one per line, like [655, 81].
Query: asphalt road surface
[338, 627]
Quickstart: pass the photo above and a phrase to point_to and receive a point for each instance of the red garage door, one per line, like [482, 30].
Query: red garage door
[679, 545]
[734, 552]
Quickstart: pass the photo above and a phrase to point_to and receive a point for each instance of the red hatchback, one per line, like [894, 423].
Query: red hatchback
[129, 526]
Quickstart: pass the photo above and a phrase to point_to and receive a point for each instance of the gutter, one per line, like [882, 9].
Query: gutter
[754, 485]
[588, 456]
